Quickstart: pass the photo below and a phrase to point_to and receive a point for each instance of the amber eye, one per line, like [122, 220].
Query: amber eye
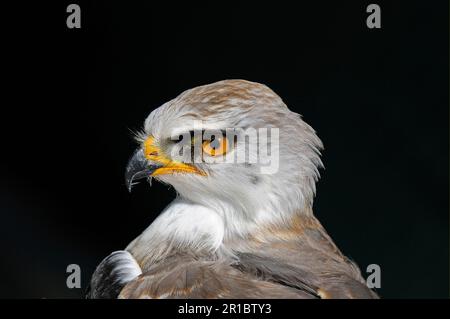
[217, 146]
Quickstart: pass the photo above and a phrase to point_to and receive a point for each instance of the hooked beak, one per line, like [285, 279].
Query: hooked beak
[138, 168]
[149, 161]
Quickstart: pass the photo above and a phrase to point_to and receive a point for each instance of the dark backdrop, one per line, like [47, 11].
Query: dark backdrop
[377, 98]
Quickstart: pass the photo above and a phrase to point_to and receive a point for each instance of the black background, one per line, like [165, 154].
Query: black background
[377, 98]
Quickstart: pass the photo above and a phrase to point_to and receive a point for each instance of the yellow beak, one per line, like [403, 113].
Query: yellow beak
[168, 166]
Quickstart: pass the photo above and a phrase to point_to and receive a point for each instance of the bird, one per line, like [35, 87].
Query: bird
[234, 230]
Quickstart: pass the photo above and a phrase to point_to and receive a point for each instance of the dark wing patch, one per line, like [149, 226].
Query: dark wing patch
[113, 273]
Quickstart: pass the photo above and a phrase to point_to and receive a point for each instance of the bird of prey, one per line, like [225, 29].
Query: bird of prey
[234, 230]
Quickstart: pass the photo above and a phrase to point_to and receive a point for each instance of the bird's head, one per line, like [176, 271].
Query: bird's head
[232, 143]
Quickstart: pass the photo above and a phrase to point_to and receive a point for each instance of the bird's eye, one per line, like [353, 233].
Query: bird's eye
[216, 146]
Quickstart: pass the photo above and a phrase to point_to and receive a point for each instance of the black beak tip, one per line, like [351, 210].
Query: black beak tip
[129, 186]
[138, 168]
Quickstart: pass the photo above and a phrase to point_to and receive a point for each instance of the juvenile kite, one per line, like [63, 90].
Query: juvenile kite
[237, 229]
